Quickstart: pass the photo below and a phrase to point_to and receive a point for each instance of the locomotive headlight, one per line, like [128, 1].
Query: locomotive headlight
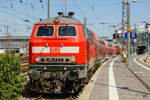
[37, 60]
[73, 60]
[56, 20]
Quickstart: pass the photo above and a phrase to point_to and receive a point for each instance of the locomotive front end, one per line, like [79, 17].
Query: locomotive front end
[58, 56]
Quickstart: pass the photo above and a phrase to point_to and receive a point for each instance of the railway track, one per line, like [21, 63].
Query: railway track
[145, 84]
[24, 64]
[44, 96]
[49, 96]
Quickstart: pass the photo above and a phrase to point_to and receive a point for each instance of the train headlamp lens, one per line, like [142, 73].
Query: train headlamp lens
[47, 59]
[42, 59]
[45, 69]
[56, 20]
[37, 60]
[73, 59]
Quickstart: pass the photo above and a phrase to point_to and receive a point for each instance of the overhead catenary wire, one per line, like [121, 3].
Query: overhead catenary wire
[23, 19]
[41, 1]
[27, 4]
[13, 12]
[4, 0]
[9, 8]
[91, 5]
[76, 4]
[11, 4]
[62, 9]
[18, 12]
[3, 22]
[88, 2]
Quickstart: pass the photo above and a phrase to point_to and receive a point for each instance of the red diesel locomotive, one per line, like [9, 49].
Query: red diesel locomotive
[62, 53]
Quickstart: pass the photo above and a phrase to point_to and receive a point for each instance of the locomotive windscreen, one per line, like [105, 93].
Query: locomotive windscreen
[45, 31]
[67, 31]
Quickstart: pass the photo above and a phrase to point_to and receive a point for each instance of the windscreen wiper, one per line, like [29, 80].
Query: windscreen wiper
[64, 27]
[43, 48]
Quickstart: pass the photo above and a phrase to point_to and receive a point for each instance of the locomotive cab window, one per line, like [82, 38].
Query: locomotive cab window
[45, 31]
[67, 31]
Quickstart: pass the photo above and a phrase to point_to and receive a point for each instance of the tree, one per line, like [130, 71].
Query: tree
[10, 79]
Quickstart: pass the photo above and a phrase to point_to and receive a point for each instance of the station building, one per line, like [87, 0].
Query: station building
[16, 44]
[144, 37]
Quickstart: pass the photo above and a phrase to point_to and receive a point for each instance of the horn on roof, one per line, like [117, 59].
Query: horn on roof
[60, 14]
[71, 14]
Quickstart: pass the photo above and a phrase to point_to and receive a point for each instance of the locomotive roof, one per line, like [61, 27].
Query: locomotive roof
[61, 20]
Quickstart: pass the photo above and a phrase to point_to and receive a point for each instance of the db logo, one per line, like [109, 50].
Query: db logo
[54, 49]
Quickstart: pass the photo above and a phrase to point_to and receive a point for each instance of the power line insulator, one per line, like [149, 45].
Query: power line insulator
[41, 1]
[32, 6]
[93, 8]
[21, 1]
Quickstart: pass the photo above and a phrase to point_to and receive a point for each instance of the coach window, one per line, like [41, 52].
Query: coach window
[67, 31]
[45, 31]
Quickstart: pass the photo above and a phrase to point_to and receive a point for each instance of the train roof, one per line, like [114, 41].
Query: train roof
[66, 20]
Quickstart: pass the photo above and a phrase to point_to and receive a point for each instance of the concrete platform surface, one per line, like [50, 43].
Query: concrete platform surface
[114, 81]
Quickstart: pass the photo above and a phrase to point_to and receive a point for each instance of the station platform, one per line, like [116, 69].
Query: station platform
[114, 80]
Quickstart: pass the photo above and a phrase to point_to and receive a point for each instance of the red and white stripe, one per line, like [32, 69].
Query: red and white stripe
[65, 49]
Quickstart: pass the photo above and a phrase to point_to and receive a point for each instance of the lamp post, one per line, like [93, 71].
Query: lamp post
[126, 24]
[48, 8]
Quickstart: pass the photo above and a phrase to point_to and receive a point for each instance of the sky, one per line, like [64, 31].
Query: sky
[20, 15]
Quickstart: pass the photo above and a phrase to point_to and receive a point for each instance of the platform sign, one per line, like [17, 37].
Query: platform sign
[125, 35]
[133, 35]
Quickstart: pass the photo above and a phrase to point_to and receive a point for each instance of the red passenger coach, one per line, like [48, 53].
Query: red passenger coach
[117, 49]
[62, 53]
